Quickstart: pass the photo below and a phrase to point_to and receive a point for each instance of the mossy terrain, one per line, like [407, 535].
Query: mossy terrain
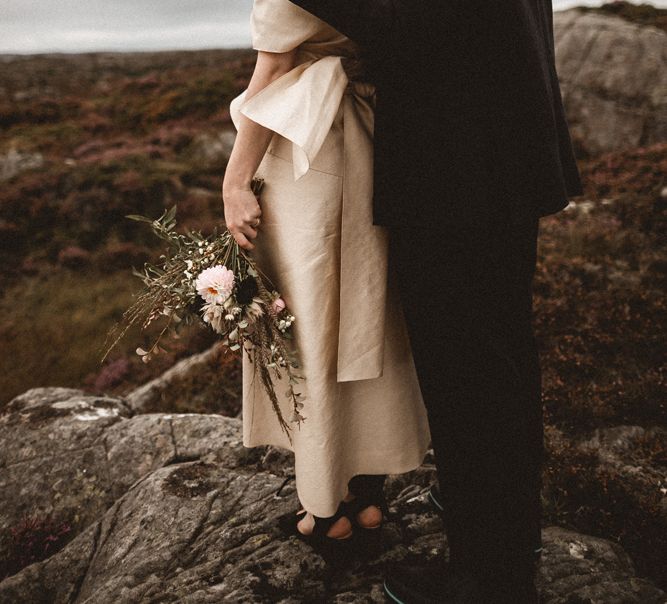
[600, 307]
[601, 321]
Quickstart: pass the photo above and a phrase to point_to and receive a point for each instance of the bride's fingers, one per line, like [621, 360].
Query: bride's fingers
[242, 240]
[250, 231]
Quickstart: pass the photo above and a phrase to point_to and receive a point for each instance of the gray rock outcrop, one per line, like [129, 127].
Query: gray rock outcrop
[197, 377]
[613, 76]
[71, 456]
[14, 162]
[177, 510]
[212, 149]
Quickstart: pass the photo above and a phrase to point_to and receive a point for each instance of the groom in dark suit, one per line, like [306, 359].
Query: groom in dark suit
[471, 149]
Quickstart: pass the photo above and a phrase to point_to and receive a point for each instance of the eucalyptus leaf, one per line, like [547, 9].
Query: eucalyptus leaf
[171, 214]
[138, 218]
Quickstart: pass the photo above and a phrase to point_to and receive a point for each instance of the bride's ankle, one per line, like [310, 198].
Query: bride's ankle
[368, 492]
[370, 517]
[366, 485]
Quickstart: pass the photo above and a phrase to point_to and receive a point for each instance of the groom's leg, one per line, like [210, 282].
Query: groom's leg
[467, 299]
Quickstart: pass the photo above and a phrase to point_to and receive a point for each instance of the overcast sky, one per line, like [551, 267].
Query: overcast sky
[82, 25]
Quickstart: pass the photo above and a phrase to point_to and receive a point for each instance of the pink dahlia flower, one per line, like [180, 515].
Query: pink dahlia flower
[215, 284]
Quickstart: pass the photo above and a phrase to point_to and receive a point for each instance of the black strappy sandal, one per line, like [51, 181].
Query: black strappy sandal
[318, 539]
[368, 490]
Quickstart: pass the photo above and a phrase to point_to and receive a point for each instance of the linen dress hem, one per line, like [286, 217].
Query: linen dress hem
[375, 462]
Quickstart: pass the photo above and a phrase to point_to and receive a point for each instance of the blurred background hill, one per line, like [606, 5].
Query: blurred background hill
[87, 138]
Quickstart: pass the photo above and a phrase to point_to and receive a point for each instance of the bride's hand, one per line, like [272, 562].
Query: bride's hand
[250, 146]
[242, 211]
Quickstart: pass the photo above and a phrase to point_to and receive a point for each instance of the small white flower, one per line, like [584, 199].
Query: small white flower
[213, 315]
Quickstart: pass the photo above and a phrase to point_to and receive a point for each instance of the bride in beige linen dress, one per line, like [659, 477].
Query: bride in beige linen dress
[363, 406]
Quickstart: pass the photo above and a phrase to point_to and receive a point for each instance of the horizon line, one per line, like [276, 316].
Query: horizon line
[6, 53]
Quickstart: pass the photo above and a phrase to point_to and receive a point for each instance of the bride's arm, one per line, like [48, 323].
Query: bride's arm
[252, 141]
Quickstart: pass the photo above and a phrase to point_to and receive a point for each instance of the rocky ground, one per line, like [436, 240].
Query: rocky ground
[172, 508]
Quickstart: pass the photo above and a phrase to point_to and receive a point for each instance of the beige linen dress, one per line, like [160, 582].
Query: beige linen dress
[363, 406]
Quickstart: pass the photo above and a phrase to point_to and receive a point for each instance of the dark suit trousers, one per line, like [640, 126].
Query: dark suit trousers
[467, 299]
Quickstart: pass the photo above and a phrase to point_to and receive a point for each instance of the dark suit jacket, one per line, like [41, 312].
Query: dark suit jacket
[469, 113]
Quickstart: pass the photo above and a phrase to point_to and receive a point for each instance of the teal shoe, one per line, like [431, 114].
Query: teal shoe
[435, 500]
[431, 585]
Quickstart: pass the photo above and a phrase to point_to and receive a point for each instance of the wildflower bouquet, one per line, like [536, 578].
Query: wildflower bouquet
[212, 279]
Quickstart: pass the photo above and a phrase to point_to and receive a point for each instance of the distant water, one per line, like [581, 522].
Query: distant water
[29, 26]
